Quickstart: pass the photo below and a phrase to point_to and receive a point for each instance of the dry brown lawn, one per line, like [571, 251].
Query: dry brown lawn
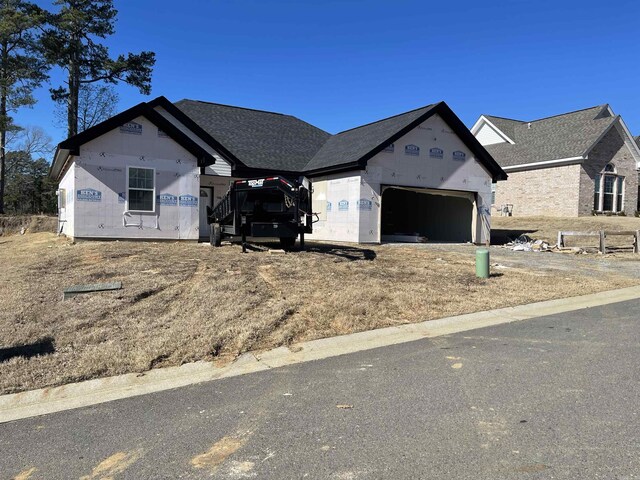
[546, 228]
[10, 224]
[183, 302]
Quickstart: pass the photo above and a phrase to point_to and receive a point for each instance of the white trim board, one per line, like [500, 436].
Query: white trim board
[545, 164]
[477, 125]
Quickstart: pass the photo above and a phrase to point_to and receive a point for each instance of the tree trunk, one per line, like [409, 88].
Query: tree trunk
[3, 141]
[3, 126]
[74, 91]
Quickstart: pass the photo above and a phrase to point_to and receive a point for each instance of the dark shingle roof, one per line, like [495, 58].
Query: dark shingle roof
[276, 142]
[506, 125]
[562, 136]
[351, 145]
[257, 138]
[637, 139]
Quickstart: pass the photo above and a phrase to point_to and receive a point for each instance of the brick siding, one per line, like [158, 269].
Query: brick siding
[611, 149]
[551, 192]
[568, 191]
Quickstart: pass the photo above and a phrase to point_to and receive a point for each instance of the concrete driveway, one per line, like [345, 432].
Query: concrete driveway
[554, 397]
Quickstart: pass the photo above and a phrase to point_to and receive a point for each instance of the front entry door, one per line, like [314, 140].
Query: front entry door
[206, 200]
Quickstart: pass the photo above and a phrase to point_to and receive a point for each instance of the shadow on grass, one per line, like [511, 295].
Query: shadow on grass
[502, 237]
[41, 347]
[351, 253]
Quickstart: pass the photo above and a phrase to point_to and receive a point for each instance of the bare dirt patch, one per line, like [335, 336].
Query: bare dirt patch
[183, 302]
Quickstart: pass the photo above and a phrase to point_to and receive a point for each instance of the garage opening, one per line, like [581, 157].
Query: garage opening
[419, 215]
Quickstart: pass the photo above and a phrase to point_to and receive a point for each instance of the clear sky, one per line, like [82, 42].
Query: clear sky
[341, 63]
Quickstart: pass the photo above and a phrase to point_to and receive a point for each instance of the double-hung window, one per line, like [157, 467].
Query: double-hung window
[608, 191]
[141, 192]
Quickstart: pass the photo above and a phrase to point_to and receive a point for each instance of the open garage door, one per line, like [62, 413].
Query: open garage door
[420, 214]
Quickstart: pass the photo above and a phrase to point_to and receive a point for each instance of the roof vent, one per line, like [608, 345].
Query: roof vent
[529, 125]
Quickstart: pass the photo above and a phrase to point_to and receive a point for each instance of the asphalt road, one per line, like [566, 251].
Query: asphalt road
[556, 397]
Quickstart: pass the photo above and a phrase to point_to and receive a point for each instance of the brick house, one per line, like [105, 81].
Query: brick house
[575, 164]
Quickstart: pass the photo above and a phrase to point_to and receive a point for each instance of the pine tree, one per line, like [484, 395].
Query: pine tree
[72, 43]
[22, 68]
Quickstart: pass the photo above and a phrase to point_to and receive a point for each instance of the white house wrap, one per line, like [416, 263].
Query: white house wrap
[151, 171]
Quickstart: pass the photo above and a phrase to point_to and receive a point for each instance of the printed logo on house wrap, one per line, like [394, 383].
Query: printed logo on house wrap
[412, 150]
[167, 199]
[436, 152]
[89, 195]
[328, 206]
[122, 197]
[364, 204]
[131, 128]
[188, 201]
[162, 134]
[343, 205]
[389, 148]
[460, 156]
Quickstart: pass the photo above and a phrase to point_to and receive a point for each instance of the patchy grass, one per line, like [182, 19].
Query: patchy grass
[547, 228]
[11, 224]
[183, 302]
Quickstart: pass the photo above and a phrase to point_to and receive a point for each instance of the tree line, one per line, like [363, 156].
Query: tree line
[33, 41]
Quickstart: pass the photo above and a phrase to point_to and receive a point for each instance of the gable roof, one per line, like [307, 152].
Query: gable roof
[259, 141]
[567, 136]
[257, 138]
[350, 146]
[71, 146]
[505, 125]
[353, 148]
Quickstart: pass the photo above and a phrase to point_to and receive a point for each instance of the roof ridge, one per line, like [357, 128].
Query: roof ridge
[386, 118]
[235, 106]
[548, 117]
[568, 113]
[504, 118]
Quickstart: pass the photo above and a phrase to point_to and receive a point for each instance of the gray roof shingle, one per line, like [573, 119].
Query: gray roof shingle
[259, 139]
[562, 136]
[351, 145]
[506, 125]
[272, 141]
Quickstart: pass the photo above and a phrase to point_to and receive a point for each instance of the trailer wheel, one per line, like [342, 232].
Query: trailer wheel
[216, 235]
[287, 243]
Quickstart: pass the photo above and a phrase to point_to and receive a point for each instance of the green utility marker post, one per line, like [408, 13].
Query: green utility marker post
[482, 263]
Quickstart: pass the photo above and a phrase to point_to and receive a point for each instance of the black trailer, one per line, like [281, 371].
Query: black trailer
[263, 207]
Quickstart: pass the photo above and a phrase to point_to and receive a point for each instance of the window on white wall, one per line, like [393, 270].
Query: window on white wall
[608, 190]
[62, 198]
[493, 194]
[141, 195]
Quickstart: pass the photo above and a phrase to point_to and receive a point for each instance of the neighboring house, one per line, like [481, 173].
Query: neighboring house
[151, 171]
[574, 164]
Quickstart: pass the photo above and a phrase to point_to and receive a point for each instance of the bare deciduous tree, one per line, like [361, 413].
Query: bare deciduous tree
[96, 103]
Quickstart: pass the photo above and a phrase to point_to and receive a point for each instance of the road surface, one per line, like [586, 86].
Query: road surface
[553, 397]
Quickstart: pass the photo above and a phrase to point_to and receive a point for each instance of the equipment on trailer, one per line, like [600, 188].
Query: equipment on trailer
[263, 207]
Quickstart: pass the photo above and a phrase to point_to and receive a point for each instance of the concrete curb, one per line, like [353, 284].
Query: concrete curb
[75, 395]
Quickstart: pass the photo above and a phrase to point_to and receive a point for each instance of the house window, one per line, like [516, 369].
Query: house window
[62, 198]
[608, 190]
[493, 194]
[141, 189]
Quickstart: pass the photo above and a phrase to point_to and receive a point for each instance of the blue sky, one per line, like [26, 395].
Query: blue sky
[341, 63]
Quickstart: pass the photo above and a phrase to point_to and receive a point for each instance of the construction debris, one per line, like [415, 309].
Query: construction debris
[90, 288]
[524, 243]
